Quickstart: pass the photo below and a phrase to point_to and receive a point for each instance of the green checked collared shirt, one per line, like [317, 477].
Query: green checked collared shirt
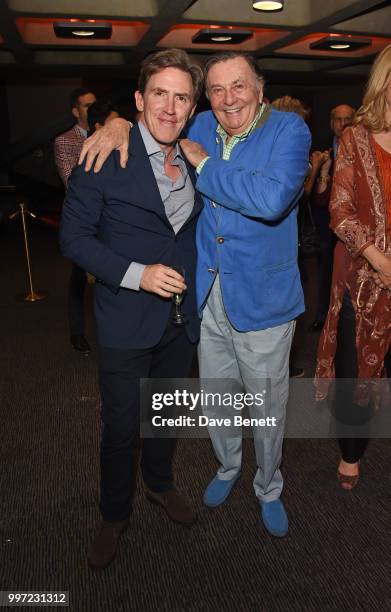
[229, 142]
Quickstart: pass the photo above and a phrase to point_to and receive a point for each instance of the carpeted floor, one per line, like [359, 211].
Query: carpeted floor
[336, 557]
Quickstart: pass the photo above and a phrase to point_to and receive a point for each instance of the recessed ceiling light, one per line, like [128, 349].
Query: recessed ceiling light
[221, 35]
[77, 29]
[221, 38]
[340, 43]
[268, 5]
[83, 33]
[335, 46]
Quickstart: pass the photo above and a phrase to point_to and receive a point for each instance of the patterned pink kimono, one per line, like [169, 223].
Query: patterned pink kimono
[359, 216]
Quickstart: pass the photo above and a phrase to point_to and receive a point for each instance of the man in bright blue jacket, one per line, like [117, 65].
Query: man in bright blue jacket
[251, 162]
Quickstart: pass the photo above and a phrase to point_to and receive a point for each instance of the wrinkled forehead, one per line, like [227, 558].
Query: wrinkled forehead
[171, 78]
[230, 71]
[342, 112]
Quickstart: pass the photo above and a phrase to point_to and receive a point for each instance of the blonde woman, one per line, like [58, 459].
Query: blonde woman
[360, 209]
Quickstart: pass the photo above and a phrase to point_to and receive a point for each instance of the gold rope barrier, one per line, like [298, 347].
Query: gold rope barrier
[32, 296]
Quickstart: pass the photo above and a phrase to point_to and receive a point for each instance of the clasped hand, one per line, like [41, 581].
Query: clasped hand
[162, 280]
[322, 159]
[194, 152]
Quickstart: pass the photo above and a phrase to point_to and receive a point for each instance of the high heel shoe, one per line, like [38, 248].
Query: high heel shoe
[347, 481]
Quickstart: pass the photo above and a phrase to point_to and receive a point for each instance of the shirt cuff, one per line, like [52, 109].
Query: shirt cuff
[132, 277]
[202, 164]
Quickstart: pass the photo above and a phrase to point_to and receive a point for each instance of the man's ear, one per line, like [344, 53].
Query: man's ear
[138, 96]
[75, 112]
[260, 95]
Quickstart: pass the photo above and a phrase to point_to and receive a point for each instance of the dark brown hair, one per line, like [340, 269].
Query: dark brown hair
[76, 94]
[228, 55]
[98, 113]
[171, 58]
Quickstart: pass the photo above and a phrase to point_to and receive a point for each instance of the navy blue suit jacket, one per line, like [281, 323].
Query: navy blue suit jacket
[115, 217]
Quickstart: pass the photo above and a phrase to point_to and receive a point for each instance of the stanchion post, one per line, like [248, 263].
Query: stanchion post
[32, 296]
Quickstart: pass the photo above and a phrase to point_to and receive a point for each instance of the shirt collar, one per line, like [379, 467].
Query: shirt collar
[82, 131]
[151, 145]
[221, 131]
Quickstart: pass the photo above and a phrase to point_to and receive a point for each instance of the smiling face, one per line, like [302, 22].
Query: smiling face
[166, 104]
[234, 94]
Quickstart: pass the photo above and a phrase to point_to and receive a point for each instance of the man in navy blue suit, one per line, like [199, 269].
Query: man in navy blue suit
[128, 227]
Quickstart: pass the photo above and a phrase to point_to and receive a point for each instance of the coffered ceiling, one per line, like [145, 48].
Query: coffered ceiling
[281, 41]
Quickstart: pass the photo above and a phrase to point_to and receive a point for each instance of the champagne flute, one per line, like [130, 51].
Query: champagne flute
[178, 318]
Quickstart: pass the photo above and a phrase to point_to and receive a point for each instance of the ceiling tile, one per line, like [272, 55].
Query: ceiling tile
[295, 13]
[375, 22]
[302, 47]
[180, 36]
[113, 9]
[37, 31]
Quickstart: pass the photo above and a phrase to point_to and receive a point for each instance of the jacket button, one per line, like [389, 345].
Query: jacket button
[220, 240]
[211, 270]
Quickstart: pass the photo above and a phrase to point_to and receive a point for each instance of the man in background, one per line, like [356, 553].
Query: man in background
[340, 117]
[67, 147]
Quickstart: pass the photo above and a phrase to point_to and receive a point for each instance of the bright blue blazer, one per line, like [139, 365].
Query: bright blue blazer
[250, 237]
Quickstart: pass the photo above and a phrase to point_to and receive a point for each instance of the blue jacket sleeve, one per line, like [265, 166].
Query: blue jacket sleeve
[82, 224]
[266, 193]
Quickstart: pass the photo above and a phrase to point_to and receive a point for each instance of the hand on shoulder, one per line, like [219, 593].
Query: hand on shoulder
[113, 136]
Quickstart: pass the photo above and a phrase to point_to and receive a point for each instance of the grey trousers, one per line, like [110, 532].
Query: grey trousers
[249, 358]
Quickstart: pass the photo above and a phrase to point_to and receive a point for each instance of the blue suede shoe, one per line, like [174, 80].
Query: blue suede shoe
[217, 491]
[274, 518]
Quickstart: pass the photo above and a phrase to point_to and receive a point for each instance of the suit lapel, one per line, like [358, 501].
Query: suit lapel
[139, 166]
[198, 202]
[141, 175]
[264, 117]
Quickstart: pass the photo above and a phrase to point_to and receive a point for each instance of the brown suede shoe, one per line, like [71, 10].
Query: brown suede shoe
[103, 549]
[177, 507]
